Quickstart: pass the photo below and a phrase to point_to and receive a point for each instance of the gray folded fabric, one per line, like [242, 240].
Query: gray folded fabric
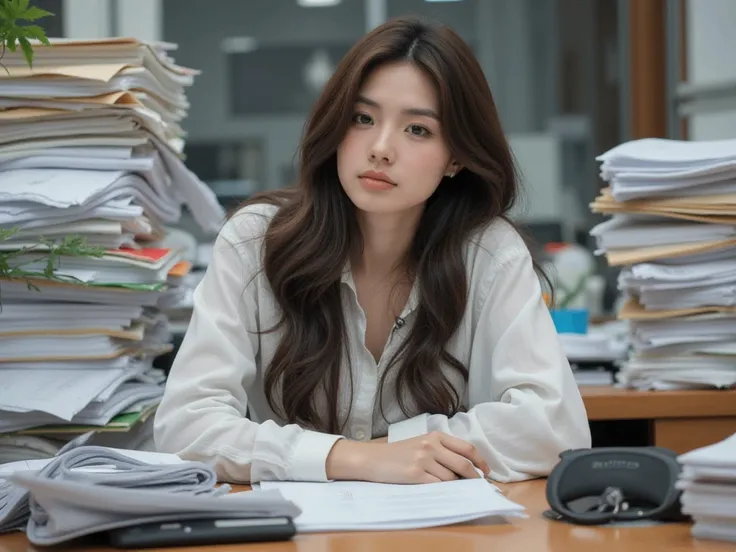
[14, 500]
[13, 507]
[103, 466]
[91, 489]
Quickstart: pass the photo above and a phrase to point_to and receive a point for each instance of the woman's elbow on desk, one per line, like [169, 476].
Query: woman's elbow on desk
[522, 435]
[549, 430]
[518, 462]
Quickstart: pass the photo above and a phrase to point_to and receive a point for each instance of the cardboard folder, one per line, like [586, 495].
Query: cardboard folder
[621, 257]
[633, 310]
[712, 209]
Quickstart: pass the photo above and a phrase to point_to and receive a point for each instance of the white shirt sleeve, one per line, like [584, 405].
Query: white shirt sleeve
[203, 412]
[525, 407]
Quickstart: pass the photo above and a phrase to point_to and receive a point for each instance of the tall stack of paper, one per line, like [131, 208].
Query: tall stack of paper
[90, 144]
[708, 484]
[673, 232]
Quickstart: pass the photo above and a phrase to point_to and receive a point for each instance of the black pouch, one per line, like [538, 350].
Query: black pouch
[614, 484]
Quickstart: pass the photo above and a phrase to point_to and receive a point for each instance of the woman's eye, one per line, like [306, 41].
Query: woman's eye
[362, 119]
[418, 130]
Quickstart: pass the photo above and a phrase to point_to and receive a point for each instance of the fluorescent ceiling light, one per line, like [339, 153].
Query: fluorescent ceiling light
[238, 44]
[442, 0]
[317, 3]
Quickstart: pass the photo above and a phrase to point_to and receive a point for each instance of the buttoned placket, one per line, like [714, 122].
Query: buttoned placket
[362, 408]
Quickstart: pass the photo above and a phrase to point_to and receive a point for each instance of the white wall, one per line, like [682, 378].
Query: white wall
[141, 19]
[711, 46]
[86, 18]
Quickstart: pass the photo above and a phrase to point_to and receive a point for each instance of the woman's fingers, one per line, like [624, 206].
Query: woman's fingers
[429, 478]
[441, 472]
[465, 449]
[459, 465]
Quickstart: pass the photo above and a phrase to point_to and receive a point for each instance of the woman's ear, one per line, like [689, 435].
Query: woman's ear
[453, 168]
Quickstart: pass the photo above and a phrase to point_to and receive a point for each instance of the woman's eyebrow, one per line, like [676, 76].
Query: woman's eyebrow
[420, 111]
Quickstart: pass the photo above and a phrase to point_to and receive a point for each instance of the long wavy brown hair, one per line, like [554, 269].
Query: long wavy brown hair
[310, 239]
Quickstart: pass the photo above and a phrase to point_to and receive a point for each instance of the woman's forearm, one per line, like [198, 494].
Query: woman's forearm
[346, 461]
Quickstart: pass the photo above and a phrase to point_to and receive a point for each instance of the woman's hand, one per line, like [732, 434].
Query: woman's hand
[425, 459]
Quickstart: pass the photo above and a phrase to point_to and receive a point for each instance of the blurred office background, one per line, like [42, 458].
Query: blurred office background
[571, 78]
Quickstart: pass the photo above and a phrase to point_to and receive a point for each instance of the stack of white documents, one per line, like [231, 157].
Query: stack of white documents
[117, 114]
[603, 343]
[708, 484]
[593, 355]
[90, 153]
[364, 506]
[673, 232]
[93, 489]
[17, 448]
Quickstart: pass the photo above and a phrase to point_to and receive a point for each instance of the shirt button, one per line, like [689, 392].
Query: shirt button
[360, 435]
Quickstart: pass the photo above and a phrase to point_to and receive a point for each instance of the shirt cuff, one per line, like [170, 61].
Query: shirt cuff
[310, 456]
[406, 429]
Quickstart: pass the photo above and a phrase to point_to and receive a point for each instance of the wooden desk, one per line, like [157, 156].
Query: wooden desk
[680, 420]
[534, 534]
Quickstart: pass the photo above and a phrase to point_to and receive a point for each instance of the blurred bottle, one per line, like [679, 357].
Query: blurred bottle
[571, 265]
[595, 290]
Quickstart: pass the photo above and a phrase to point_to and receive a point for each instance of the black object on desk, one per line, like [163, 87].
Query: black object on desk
[604, 485]
[202, 532]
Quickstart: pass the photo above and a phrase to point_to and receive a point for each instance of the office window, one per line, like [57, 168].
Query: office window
[53, 24]
[255, 88]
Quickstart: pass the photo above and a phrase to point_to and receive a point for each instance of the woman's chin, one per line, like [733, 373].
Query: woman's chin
[378, 206]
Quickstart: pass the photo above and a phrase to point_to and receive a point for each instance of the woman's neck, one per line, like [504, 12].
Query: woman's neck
[386, 240]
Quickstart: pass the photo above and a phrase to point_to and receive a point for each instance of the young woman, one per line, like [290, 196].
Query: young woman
[381, 321]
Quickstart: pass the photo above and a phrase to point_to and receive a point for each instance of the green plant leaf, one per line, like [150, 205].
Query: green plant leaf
[12, 34]
[12, 8]
[33, 14]
[27, 50]
[7, 233]
[34, 31]
[10, 40]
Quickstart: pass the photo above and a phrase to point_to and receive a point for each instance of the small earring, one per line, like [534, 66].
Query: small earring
[452, 174]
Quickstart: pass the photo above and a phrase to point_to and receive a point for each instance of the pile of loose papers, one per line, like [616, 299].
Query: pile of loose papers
[366, 506]
[708, 484]
[673, 232]
[593, 355]
[91, 176]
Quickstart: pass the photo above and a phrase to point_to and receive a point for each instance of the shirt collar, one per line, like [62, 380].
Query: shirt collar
[411, 304]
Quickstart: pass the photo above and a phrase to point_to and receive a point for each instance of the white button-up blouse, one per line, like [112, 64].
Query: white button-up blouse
[522, 404]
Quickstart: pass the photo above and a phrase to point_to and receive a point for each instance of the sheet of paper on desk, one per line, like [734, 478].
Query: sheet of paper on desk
[363, 506]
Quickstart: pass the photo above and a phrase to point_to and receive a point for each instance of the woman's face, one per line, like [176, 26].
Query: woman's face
[394, 155]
